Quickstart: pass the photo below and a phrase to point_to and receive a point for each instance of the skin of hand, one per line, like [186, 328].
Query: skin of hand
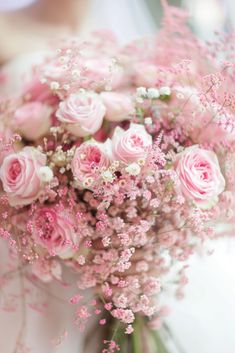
[35, 27]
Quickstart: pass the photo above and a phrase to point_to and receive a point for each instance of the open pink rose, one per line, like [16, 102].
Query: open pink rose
[89, 159]
[19, 174]
[119, 106]
[200, 176]
[132, 144]
[32, 120]
[82, 113]
[53, 229]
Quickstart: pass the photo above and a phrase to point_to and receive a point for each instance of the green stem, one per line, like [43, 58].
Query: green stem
[136, 336]
[142, 340]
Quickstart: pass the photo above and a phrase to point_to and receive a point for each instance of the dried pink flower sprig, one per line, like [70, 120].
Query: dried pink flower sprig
[124, 166]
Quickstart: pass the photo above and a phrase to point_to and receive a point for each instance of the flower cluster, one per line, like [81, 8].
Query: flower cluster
[116, 162]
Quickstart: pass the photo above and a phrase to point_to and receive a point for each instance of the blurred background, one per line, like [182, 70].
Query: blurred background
[206, 15]
[28, 26]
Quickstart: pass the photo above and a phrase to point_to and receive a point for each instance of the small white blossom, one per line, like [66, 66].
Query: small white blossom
[165, 91]
[63, 59]
[64, 67]
[116, 164]
[53, 130]
[45, 174]
[82, 91]
[141, 92]
[133, 169]
[153, 93]
[54, 85]
[107, 176]
[59, 158]
[43, 80]
[66, 87]
[139, 100]
[148, 121]
[76, 73]
[180, 95]
[88, 182]
[62, 170]
[141, 161]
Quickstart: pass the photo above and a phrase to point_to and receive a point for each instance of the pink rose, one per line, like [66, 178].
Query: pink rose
[54, 71]
[91, 72]
[32, 120]
[89, 159]
[145, 74]
[200, 176]
[118, 106]
[53, 229]
[82, 113]
[132, 144]
[40, 92]
[19, 174]
[101, 72]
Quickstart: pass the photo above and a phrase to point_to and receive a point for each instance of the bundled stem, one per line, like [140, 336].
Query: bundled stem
[142, 340]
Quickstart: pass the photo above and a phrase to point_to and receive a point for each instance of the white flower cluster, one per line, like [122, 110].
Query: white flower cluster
[152, 93]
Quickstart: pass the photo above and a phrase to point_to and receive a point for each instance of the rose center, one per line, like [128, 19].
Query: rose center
[204, 171]
[15, 170]
[93, 156]
[136, 141]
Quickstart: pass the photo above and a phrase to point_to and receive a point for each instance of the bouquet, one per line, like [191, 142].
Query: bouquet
[117, 163]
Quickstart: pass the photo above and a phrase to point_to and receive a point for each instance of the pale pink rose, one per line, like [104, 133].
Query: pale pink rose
[145, 74]
[54, 71]
[119, 106]
[32, 120]
[101, 72]
[19, 174]
[91, 157]
[82, 113]
[200, 176]
[132, 144]
[53, 229]
[40, 92]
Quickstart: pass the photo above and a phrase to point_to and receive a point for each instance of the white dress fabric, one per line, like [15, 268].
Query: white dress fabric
[203, 322]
